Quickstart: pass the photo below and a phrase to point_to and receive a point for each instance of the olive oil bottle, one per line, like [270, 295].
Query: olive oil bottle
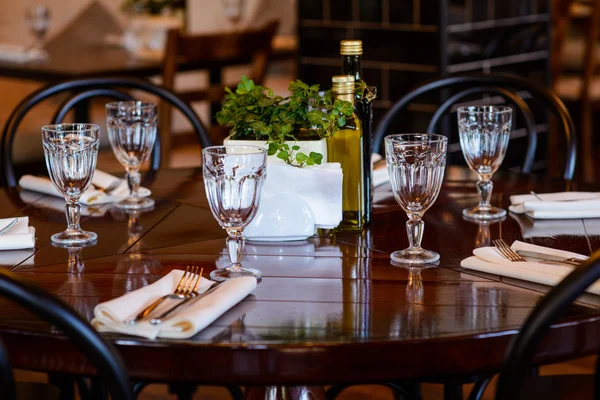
[351, 52]
[345, 147]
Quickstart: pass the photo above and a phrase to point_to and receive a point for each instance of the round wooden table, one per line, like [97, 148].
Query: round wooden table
[330, 309]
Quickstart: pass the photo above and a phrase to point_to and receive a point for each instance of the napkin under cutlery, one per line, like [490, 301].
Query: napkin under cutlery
[91, 196]
[20, 236]
[489, 260]
[184, 323]
[561, 205]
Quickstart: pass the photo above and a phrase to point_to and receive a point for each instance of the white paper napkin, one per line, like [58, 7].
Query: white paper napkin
[20, 236]
[184, 323]
[562, 205]
[20, 54]
[489, 260]
[319, 185]
[91, 196]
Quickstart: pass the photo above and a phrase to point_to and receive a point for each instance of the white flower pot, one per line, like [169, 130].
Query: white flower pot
[306, 146]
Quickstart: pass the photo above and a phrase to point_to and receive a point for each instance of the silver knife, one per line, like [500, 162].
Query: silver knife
[158, 320]
[549, 257]
[7, 227]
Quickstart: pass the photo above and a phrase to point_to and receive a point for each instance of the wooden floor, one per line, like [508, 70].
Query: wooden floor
[375, 392]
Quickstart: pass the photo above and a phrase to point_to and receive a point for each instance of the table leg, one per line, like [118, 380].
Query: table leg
[284, 392]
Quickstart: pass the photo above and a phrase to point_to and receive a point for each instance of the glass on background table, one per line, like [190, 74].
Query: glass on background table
[484, 133]
[233, 179]
[416, 163]
[132, 131]
[71, 151]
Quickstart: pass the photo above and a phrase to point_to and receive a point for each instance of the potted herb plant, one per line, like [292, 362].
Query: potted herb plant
[293, 129]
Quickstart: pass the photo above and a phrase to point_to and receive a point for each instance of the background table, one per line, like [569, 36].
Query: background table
[330, 309]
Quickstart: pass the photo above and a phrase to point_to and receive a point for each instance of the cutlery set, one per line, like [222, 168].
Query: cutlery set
[186, 291]
[518, 256]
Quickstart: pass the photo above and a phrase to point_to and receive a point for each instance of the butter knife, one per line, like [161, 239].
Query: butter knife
[549, 257]
[10, 225]
[158, 320]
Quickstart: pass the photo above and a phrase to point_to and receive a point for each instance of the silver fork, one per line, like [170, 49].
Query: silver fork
[180, 292]
[512, 255]
[195, 295]
[112, 187]
[507, 251]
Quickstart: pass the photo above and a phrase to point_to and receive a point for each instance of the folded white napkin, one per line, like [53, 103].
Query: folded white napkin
[20, 54]
[91, 196]
[184, 323]
[489, 260]
[319, 185]
[20, 236]
[562, 205]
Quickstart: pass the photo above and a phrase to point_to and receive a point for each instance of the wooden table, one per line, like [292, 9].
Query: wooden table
[330, 309]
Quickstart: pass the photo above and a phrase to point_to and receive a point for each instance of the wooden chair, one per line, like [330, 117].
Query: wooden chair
[581, 87]
[503, 85]
[212, 53]
[513, 383]
[84, 90]
[108, 362]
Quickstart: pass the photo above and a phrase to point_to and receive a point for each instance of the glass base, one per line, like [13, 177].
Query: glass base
[219, 275]
[135, 203]
[414, 256]
[69, 238]
[484, 213]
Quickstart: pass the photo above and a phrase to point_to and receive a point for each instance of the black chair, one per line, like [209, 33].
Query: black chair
[513, 383]
[104, 357]
[84, 90]
[497, 84]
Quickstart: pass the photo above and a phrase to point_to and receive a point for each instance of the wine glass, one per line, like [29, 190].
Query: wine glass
[38, 19]
[132, 132]
[233, 178]
[484, 133]
[232, 9]
[416, 164]
[71, 152]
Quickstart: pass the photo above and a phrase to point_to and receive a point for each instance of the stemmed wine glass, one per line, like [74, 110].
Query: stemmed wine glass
[232, 9]
[484, 133]
[71, 152]
[416, 164]
[38, 19]
[233, 178]
[132, 132]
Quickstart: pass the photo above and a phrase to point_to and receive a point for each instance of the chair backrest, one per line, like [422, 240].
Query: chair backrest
[83, 90]
[104, 357]
[550, 308]
[501, 84]
[212, 53]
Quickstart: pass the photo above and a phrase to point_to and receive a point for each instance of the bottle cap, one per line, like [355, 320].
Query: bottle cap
[351, 47]
[343, 84]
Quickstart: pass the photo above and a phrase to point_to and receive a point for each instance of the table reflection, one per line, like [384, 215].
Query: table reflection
[136, 270]
[77, 291]
[484, 234]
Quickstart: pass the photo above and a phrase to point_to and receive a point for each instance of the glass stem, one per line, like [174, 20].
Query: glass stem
[484, 188]
[133, 181]
[235, 248]
[414, 231]
[73, 211]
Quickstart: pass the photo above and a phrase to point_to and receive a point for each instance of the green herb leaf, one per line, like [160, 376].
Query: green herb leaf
[301, 158]
[295, 147]
[272, 149]
[317, 157]
[283, 155]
